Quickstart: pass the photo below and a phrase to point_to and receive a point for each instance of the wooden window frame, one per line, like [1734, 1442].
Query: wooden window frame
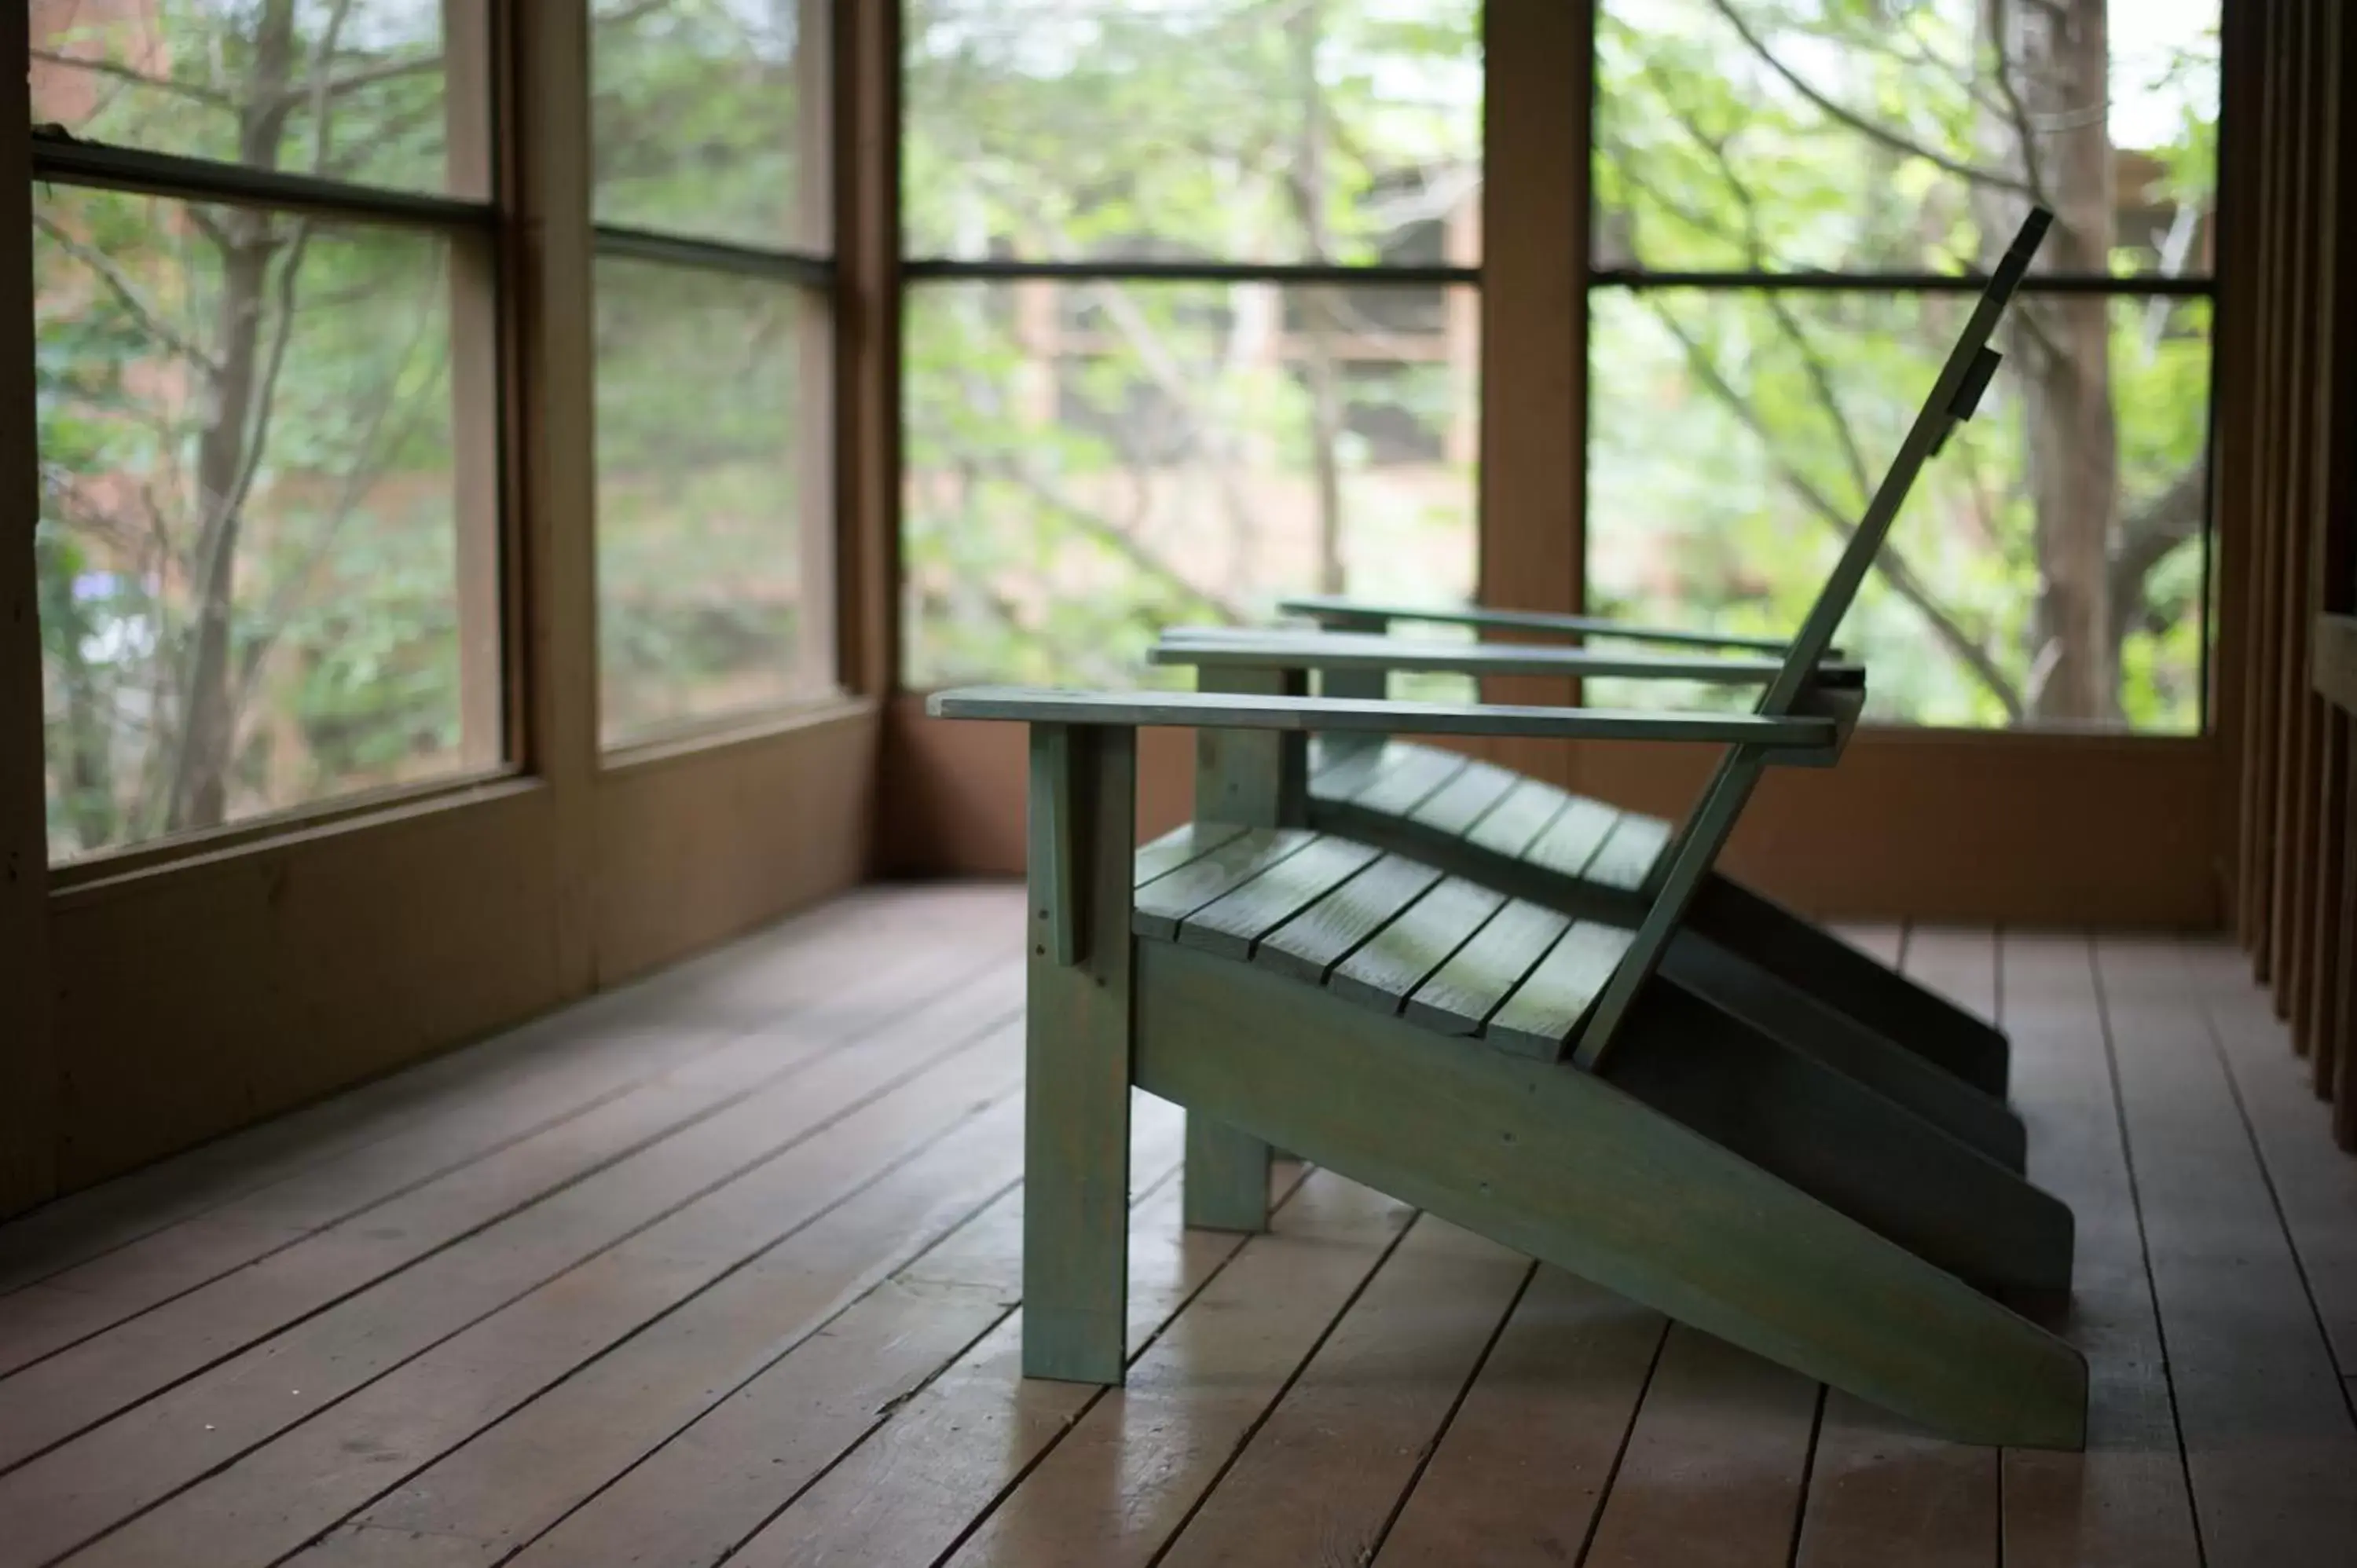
[172, 992]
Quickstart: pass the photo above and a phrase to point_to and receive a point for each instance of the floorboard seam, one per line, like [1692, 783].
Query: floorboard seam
[1621, 1449]
[1391, 1249]
[687, 1125]
[2267, 1180]
[966, 1119]
[883, 1416]
[305, 1161]
[2144, 1244]
[888, 1087]
[1808, 1474]
[998, 1498]
[551, 1124]
[1465, 1391]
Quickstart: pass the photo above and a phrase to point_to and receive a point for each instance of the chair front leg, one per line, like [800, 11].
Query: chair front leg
[1083, 833]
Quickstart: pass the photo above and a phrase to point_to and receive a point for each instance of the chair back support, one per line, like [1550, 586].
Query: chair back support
[1952, 398]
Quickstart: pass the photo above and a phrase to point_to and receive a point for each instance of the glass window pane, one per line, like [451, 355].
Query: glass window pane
[267, 540]
[1346, 130]
[712, 579]
[2049, 566]
[386, 93]
[709, 119]
[1904, 135]
[1086, 463]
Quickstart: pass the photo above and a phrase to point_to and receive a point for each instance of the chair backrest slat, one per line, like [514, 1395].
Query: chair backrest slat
[1681, 873]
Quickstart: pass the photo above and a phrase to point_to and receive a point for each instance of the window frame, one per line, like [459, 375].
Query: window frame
[481, 259]
[815, 274]
[916, 271]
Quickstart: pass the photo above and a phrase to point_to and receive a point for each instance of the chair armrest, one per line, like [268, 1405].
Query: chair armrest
[1808, 735]
[1216, 647]
[1327, 611]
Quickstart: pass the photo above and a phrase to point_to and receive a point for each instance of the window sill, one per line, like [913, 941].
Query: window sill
[142, 865]
[727, 734]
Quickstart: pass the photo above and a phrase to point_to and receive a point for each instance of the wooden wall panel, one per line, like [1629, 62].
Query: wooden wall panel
[952, 799]
[196, 991]
[2288, 527]
[27, 1074]
[197, 997]
[697, 847]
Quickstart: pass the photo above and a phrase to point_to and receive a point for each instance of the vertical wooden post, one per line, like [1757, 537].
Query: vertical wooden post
[548, 250]
[2263, 324]
[817, 522]
[467, 56]
[868, 334]
[2296, 760]
[28, 1063]
[1256, 779]
[1083, 803]
[1540, 59]
[2234, 332]
[1369, 684]
[2332, 553]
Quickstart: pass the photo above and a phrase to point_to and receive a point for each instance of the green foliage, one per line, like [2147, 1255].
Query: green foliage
[1063, 487]
[1083, 464]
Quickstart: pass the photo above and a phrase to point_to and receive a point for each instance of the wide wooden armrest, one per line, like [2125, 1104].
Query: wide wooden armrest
[1222, 710]
[1327, 609]
[1222, 646]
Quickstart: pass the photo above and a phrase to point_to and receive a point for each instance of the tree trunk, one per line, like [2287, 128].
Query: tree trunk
[226, 454]
[2057, 60]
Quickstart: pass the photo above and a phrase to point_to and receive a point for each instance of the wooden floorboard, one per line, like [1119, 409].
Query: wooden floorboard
[914, 1487]
[2124, 1502]
[743, 981]
[288, 1490]
[2313, 1182]
[725, 1267]
[1517, 1479]
[1714, 1468]
[1880, 1490]
[1321, 1478]
[74, 1389]
[2269, 1446]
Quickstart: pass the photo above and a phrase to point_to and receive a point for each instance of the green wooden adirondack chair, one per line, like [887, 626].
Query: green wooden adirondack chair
[1537, 1076]
[1586, 858]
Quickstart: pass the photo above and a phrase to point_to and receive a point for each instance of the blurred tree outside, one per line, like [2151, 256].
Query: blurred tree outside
[254, 432]
[255, 455]
[1088, 461]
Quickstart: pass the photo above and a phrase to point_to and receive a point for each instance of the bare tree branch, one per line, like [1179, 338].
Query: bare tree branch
[2147, 537]
[1813, 364]
[367, 76]
[1888, 561]
[1872, 129]
[321, 52]
[371, 453]
[2025, 137]
[118, 282]
[132, 74]
[1124, 544]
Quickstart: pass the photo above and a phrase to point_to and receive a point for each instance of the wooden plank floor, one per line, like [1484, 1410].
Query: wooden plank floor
[725, 1267]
